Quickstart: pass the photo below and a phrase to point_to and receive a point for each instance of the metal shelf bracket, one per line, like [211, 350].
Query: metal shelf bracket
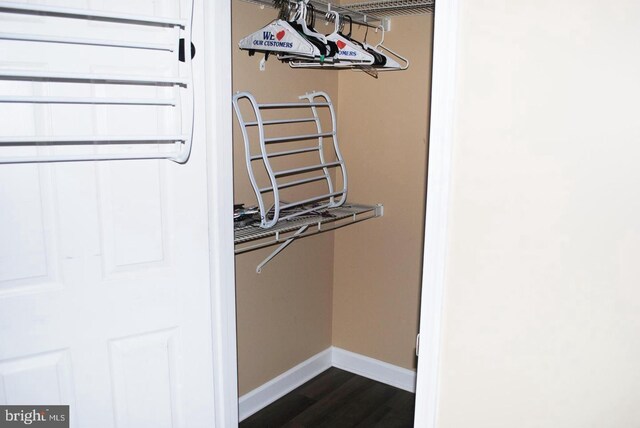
[282, 246]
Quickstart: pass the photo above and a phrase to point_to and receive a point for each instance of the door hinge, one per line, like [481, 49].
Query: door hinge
[418, 345]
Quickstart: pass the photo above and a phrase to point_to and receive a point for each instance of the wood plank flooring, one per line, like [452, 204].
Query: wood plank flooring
[338, 399]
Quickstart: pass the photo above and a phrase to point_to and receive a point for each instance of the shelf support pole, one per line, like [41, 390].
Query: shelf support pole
[282, 246]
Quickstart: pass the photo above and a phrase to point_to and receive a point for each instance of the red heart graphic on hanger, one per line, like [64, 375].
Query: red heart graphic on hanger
[280, 34]
[341, 44]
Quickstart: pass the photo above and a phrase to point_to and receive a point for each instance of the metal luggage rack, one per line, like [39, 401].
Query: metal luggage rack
[313, 172]
[253, 237]
[175, 146]
[311, 143]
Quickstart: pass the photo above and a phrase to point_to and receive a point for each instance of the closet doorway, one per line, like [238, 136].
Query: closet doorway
[349, 298]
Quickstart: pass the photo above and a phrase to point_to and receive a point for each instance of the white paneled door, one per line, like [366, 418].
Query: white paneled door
[104, 266]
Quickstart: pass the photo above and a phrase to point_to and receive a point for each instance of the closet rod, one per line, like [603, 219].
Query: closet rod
[286, 153]
[64, 12]
[85, 42]
[91, 78]
[92, 139]
[297, 138]
[88, 100]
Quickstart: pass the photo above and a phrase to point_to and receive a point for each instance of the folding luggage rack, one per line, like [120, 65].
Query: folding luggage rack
[311, 143]
[314, 170]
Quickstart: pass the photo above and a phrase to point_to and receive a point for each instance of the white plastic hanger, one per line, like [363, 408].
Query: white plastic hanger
[306, 51]
[391, 64]
[349, 54]
[301, 19]
[330, 48]
[280, 37]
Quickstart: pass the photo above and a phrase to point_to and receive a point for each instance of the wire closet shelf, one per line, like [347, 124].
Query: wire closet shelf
[370, 13]
[387, 8]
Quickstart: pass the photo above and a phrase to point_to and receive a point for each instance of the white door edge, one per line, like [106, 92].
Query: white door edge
[217, 52]
[436, 236]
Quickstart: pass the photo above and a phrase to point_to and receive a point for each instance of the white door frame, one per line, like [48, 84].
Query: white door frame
[437, 211]
[217, 51]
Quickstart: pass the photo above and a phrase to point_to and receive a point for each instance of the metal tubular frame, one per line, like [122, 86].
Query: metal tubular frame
[327, 200]
[183, 83]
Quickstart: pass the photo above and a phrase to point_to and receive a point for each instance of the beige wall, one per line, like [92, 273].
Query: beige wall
[287, 313]
[284, 313]
[542, 306]
[383, 134]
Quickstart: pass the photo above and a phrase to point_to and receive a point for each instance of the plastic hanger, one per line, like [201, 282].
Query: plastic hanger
[350, 54]
[295, 41]
[303, 17]
[390, 64]
[303, 23]
[349, 51]
[279, 37]
[290, 39]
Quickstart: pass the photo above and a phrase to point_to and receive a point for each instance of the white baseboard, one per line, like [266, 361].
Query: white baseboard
[266, 394]
[374, 369]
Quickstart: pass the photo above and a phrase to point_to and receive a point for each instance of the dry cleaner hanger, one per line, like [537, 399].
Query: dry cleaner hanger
[350, 54]
[303, 23]
[390, 64]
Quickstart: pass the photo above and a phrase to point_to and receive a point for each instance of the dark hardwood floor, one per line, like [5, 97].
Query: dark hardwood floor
[338, 399]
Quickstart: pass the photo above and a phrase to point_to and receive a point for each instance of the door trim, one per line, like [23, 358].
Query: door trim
[437, 211]
[217, 53]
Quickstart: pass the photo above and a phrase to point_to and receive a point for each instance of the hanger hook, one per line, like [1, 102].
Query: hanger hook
[336, 19]
[382, 30]
[303, 10]
[298, 8]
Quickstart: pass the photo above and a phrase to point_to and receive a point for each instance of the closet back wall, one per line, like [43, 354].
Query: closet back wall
[284, 313]
[383, 130]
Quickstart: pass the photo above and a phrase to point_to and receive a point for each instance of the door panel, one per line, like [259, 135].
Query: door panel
[104, 266]
[133, 229]
[145, 376]
[24, 251]
[45, 377]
